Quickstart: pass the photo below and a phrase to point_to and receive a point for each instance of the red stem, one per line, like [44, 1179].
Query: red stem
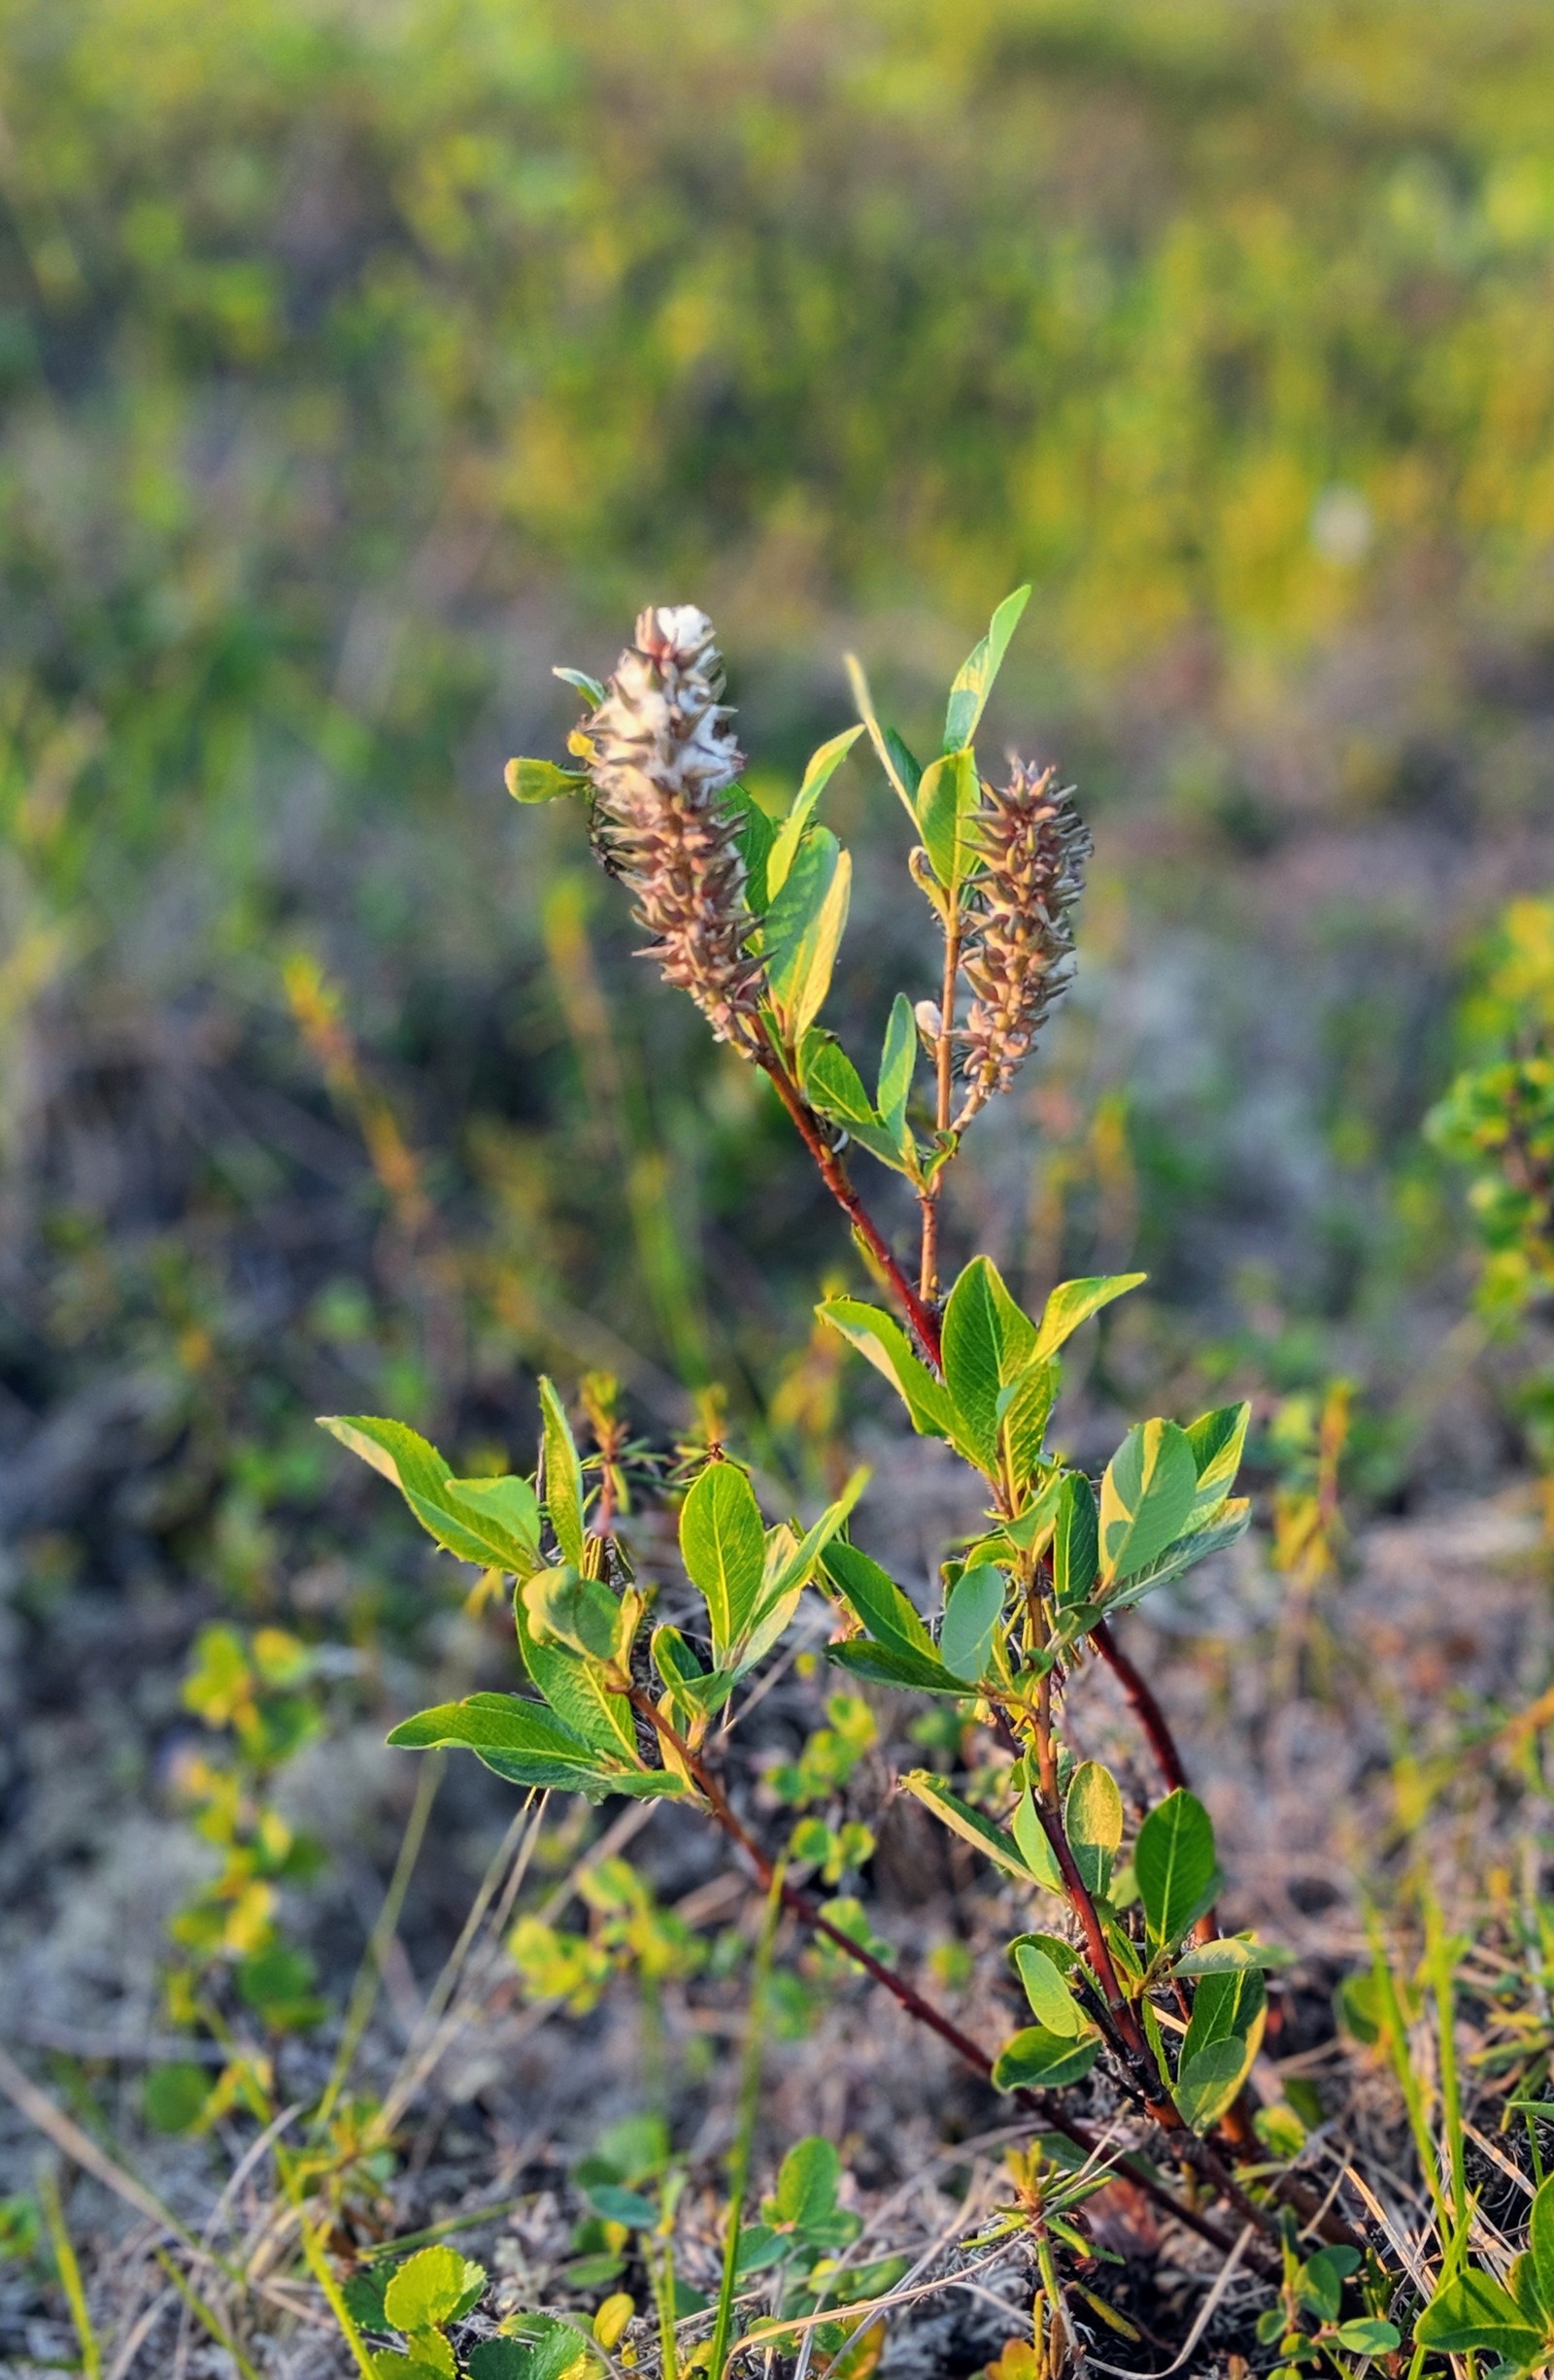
[1041, 2103]
[1151, 1718]
[834, 1173]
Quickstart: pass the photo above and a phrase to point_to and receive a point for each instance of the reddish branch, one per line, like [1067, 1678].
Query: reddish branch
[834, 1173]
[1043, 2104]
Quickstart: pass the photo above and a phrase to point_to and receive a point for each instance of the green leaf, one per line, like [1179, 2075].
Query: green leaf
[541, 781]
[174, 2097]
[875, 1596]
[806, 2184]
[588, 688]
[576, 1692]
[1036, 1846]
[1229, 2012]
[1075, 1540]
[1073, 1302]
[796, 1568]
[1183, 1556]
[971, 1824]
[754, 833]
[465, 1518]
[1052, 2003]
[1368, 2335]
[889, 1665]
[725, 1553]
[722, 1544]
[528, 1745]
[897, 1060]
[1176, 1866]
[1540, 2242]
[1217, 1440]
[1145, 1497]
[804, 930]
[988, 1343]
[617, 2205]
[973, 683]
[879, 1338]
[947, 801]
[831, 1083]
[1024, 1408]
[425, 2290]
[563, 1476]
[971, 1618]
[564, 1608]
[363, 2297]
[549, 2349]
[894, 757]
[1036, 2059]
[1474, 2312]
[504, 1512]
[823, 767]
[1093, 1821]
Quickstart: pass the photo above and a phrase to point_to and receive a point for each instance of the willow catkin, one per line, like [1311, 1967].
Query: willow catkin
[661, 756]
[1018, 933]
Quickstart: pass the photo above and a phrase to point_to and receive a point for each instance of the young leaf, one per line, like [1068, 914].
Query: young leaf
[722, 1544]
[877, 1600]
[1368, 2335]
[888, 1665]
[894, 757]
[988, 1343]
[588, 688]
[1093, 1821]
[1229, 2012]
[947, 801]
[754, 833]
[794, 1569]
[428, 2289]
[501, 1728]
[541, 781]
[971, 1824]
[1216, 1439]
[1075, 1540]
[1145, 1497]
[563, 1476]
[564, 1608]
[576, 1692]
[476, 1520]
[1181, 1557]
[1052, 2003]
[830, 1081]
[803, 929]
[971, 1618]
[1474, 2313]
[1541, 2244]
[1036, 1849]
[1024, 1408]
[881, 1338]
[1073, 1302]
[1176, 1866]
[547, 2349]
[823, 767]
[897, 1060]
[806, 2184]
[1036, 2059]
[973, 683]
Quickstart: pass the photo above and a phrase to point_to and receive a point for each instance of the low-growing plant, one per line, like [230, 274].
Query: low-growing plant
[1125, 1965]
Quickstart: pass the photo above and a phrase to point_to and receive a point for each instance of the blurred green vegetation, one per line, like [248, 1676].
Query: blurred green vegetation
[359, 362]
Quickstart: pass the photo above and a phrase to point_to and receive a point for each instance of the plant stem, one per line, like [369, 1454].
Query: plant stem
[1041, 2103]
[944, 1056]
[834, 1173]
[1151, 1718]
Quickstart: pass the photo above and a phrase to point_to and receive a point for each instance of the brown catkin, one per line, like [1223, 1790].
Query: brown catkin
[662, 755]
[1018, 935]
